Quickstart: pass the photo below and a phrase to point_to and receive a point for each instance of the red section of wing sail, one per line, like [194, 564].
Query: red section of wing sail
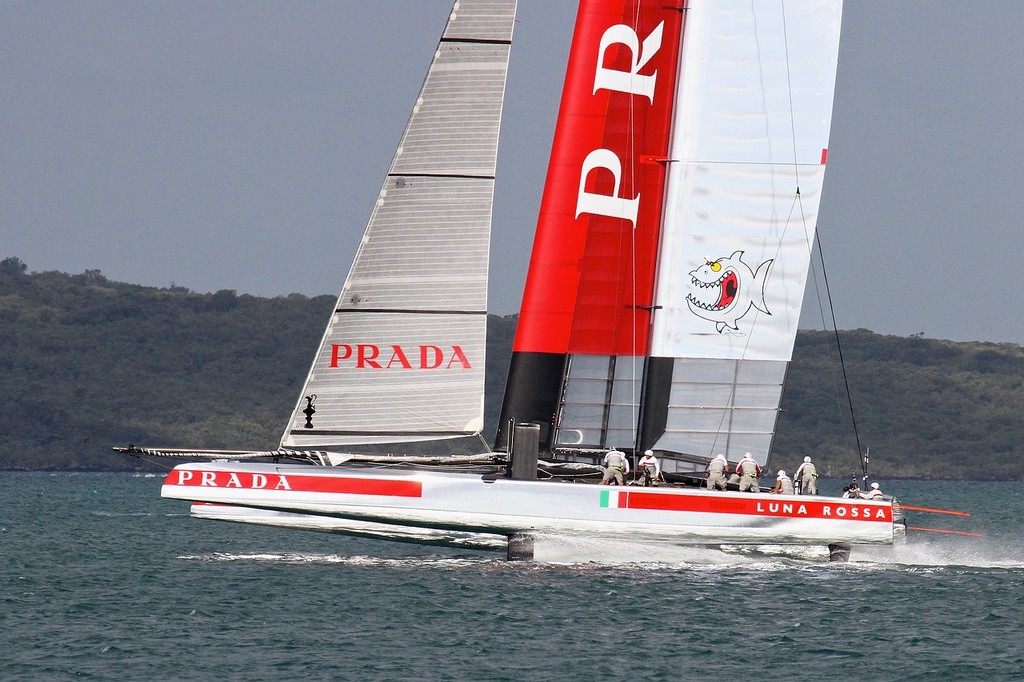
[591, 277]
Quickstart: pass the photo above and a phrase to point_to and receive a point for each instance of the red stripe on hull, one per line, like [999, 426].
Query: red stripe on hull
[593, 264]
[245, 480]
[795, 507]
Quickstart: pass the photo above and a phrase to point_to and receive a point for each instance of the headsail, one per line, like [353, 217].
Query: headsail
[674, 237]
[402, 359]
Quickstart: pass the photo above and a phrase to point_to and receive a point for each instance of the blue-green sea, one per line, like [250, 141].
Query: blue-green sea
[100, 579]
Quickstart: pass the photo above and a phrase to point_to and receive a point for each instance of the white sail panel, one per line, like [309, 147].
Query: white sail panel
[753, 112]
[426, 248]
[721, 406]
[409, 377]
[735, 216]
[402, 359]
[745, 179]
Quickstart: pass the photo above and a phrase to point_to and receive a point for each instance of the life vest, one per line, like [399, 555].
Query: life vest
[748, 467]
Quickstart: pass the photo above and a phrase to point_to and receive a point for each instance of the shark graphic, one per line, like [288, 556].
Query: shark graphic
[724, 290]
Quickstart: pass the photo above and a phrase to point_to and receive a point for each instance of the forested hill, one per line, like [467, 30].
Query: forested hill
[86, 363]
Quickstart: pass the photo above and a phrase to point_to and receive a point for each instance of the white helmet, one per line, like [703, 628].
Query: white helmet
[807, 459]
[874, 486]
[781, 473]
[648, 453]
[720, 456]
[746, 454]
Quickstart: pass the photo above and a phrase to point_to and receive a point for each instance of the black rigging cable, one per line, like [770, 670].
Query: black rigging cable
[842, 363]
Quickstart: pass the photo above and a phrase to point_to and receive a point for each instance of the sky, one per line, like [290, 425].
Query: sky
[238, 145]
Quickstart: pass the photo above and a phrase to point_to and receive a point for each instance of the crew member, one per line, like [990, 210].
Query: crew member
[615, 466]
[806, 478]
[783, 484]
[874, 493]
[649, 467]
[717, 469]
[748, 470]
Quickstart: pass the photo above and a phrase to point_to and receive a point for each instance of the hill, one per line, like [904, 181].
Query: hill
[87, 363]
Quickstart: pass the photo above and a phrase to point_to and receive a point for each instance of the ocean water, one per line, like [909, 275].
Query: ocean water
[100, 579]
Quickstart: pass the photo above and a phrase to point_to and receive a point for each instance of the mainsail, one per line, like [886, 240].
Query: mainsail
[402, 359]
[673, 242]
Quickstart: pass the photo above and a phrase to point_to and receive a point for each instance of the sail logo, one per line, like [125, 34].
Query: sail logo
[629, 82]
[394, 356]
[744, 505]
[724, 290]
[247, 480]
[231, 479]
[855, 512]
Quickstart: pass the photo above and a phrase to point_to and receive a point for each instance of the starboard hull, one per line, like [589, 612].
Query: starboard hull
[473, 503]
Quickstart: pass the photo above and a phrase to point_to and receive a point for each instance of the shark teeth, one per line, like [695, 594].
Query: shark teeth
[711, 306]
[703, 306]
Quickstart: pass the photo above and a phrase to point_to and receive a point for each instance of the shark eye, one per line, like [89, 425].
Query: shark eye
[716, 266]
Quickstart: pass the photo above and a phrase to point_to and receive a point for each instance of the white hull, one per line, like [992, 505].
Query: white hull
[470, 503]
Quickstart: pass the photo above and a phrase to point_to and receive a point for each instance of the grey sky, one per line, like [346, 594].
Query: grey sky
[238, 145]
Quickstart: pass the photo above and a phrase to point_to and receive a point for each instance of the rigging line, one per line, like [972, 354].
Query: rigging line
[828, 347]
[798, 201]
[789, 93]
[842, 362]
[730, 406]
[633, 307]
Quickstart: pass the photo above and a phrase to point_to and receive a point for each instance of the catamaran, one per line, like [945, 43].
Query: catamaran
[660, 309]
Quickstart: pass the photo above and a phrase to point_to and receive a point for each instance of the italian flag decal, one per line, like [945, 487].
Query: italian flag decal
[610, 499]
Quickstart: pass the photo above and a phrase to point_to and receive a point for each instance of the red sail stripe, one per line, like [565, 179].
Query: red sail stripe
[796, 507]
[592, 274]
[246, 480]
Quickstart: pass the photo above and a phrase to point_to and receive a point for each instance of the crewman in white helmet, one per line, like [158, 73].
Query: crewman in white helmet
[783, 484]
[806, 478]
[649, 468]
[749, 470]
[616, 466]
[717, 470]
[873, 493]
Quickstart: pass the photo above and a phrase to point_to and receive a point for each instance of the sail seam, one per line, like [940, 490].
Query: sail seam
[477, 41]
[404, 311]
[441, 175]
[391, 432]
